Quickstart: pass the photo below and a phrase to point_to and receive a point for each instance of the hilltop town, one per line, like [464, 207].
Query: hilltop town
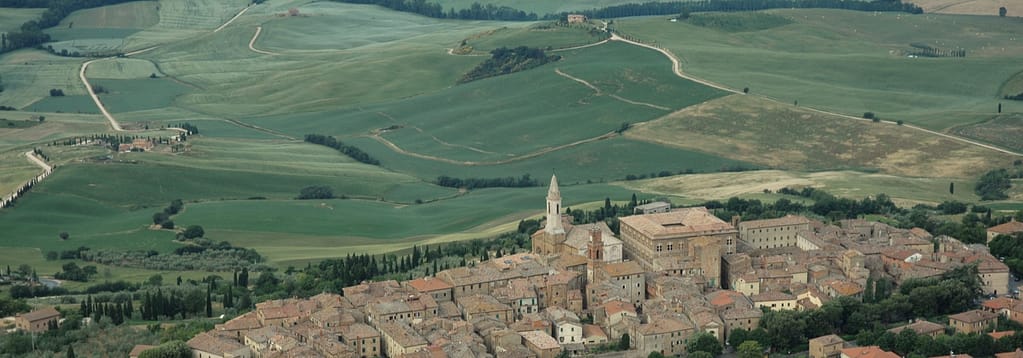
[672, 275]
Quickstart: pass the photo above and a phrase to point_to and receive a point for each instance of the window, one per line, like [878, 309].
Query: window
[659, 248]
[669, 247]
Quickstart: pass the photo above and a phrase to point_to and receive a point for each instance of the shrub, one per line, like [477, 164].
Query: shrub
[316, 192]
[868, 115]
[56, 92]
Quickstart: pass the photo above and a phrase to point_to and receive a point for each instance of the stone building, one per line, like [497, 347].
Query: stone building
[40, 320]
[686, 242]
[772, 233]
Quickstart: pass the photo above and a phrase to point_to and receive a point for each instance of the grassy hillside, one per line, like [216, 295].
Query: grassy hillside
[854, 62]
[11, 18]
[789, 137]
[29, 75]
[904, 190]
[540, 7]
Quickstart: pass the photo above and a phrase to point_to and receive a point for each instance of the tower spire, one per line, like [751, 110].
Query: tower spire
[553, 225]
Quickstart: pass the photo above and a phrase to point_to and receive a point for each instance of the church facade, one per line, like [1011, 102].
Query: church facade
[560, 237]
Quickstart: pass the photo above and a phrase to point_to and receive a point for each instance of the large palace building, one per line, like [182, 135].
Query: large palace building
[686, 242]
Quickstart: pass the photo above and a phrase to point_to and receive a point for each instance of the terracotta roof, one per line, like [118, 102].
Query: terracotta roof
[138, 349]
[659, 325]
[401, 334]
[845, 288]
[540, 339]
[868, 352]
[1000, 303]
[615, 307]
[626, 268]
[920, 233]
[481, 303]
[740, 313]
[40, 314]
[998, 335]
[772, 296]
[1014, 354]
[920, 327]
[955, 356]
[428, 284]
[787, 220]
[1010, 227]
[359, 331]
[973, 316]
[243, 322]
[212, 343]
[828, 339]
[677, 222]
[724, 298]
[592, 330]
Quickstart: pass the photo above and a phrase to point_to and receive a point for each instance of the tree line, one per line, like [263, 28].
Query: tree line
[31, 34]
[678, 7]
[476, 11]
[475, 183]
[349, 150]
[924, 50]
[505, 60]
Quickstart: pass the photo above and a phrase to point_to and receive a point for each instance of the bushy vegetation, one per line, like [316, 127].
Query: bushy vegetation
[349, 150]
[925, 50]
[503, 61]
[31, 33]
[476, 11]
[753, 21]
[993, 184]
[669, 8]
[1011, 248]
[475, 183]
[203, 255]
[315, 192]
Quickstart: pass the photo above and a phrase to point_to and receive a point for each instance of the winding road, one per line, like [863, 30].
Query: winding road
[676, 67]
[95, 98]
[42, 164]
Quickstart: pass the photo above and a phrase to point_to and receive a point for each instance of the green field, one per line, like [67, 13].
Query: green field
[540, 7]
[1002, 130]
[385, 82]
[28, 76]
[854, 62]
[12, 18]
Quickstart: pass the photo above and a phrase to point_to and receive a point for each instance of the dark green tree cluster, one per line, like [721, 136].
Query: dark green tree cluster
[30, 291]
[172, 349]
[113, 141]
[31, 34]
[504, 60]
[72, 272]
[475, 183]
[117, 311]
[349, 150]
[163, 218]
[180, 303]
[191, 128]
[825, 205]
[10, 306]
[678, 7]
[924, 50]
[952, 207]
[315, 192]
[1011, 248]
[476, 11]
[955, 291]
[993, 184]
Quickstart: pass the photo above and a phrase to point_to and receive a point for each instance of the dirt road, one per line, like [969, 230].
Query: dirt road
[252, 43]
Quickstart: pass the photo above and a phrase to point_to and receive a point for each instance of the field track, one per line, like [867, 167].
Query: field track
[538, 153]
[599, 92]
[676, 67]
[252, 43]
[236, 16]
[34, 159]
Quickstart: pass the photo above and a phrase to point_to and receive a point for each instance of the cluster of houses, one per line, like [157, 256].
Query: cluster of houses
[670, 275]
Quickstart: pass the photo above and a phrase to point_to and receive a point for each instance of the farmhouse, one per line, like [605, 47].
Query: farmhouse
[973, 321]
[1008, 228]
[37, 321]
[576, 18]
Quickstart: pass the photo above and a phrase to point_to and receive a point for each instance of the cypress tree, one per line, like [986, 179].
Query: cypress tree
[70, 352]
[209, 303]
